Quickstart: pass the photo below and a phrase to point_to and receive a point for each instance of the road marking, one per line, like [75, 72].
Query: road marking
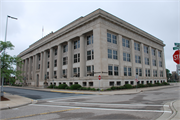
[103, 108]
[40, 114]
[112, 104]
[77, 97]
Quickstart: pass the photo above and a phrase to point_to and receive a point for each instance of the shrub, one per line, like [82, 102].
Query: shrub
[108, 89]
[140, 85]
[128, 86]
[67, 87]
[158, 84]
[149, 84]
[113, 88]
[93, 89]
[51, 86]
[62, 86]
[75, 87]
[165, 83]
[98, 89]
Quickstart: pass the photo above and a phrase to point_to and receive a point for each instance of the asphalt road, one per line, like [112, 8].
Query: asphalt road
[147, 105]
[35, 94]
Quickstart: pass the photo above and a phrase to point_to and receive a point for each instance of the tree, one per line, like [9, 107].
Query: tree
[8, 62]
[168, 74]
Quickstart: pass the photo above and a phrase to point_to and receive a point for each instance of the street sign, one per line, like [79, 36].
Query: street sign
[177, 44]
[176, 48]
[136, 79]
[99, 77]
[176, 56]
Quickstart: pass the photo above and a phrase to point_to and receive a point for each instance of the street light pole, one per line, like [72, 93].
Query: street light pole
[2, 93]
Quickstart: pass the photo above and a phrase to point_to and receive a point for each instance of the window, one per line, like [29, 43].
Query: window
[154, 73]
[147, 71]
[64, 73]
[139, 71]
[65, 48]
[47, 64]
[76, 72]
[145, 49]
[126, 57]
[118, 83]
[55, 63]
[110, 53]
[55, 74]
[115, 54]
[88, 70]
[160, 63]
[125, 42]
[153, 52]
[76, 44]
[154, 62]
[159, 53]
[77, 58]
[129, 71]
[114, 39]
[161, 73]
[137, 59]
[65, 60]
[111, 83]
[146, 61]
[109, 37]
[55, 51]
[48, 54]
[90, 54]
[39, 66]
[89, 39]
[136, 46]
[110, 70]
[116, 70]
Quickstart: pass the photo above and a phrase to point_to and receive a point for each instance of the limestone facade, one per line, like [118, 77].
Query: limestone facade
[97, 44]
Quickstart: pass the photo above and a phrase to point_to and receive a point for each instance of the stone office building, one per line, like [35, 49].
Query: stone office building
[97, 44]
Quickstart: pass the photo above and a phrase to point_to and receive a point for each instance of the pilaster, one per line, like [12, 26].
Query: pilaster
[82, 56]
[120, 57]
[44, 65]
[142, 60]
[69, 70]
[150, 62]
[157, 63]
[41, 68]
[132, 57]
[59, 62]
[51, 64]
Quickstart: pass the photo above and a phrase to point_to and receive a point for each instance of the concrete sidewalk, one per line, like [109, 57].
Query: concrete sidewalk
[14, 101]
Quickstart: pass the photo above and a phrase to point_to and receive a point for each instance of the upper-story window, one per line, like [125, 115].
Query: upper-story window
[89, 39]
[48, 54]
[136, 46]
[55, 63]
[65, 60]
[90, 54]
[112, 54]
[76, 44]
[55, 51]
[111, 38]
[76, 58]
[159, 53]
[153, 52]
[39, 56]
[65, 48]
[125, 42]
[126, 57]
[145, 49]
[154, 62]
[154, 73]
[160, 63]
[137, 59]
[146, 61]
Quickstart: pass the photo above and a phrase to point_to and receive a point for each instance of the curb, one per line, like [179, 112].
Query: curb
[5, 108]
[173, 110]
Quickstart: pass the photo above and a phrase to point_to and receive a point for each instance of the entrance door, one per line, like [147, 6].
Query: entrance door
[37, 85]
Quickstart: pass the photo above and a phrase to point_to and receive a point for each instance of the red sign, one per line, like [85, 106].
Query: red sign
[176, 56]
[99, 77]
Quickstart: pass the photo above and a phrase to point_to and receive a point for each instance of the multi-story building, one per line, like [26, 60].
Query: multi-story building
[97, 44]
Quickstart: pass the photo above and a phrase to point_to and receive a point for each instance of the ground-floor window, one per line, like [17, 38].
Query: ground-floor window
[126, 82]
[118, 82]
[84, 83]
[76, 83]
[147, 82]
[111, 83]
[142, 82]
[90, 83]
[70, 83]
[132, 82]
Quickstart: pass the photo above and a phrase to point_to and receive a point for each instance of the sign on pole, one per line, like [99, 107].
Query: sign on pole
[136, 79]
[99, 77]
[176, 56]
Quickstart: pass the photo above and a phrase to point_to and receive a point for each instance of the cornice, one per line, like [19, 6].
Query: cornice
[83, 20]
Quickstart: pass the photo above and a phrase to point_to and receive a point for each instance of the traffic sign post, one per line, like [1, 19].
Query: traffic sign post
[136, 79]
[99, 82]
[176, 56]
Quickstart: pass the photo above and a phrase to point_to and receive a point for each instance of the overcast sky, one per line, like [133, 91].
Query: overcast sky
[159, 18]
